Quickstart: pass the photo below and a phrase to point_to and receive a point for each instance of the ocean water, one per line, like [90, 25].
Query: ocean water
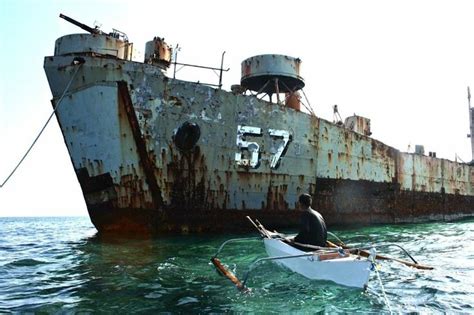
[61, 265]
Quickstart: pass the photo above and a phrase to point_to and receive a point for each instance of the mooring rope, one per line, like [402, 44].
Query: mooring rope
[374, 266]
[383, 291]
[44, 126]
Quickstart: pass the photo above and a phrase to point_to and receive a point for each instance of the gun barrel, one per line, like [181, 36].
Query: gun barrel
[83, 26]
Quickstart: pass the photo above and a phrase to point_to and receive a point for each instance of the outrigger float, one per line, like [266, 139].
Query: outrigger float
[337, 262]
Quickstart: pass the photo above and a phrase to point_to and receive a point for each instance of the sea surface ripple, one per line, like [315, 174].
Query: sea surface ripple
[61, 265]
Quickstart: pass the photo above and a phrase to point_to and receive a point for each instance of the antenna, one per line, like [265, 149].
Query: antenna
[469, 97]
[471, 123]
[337, 119]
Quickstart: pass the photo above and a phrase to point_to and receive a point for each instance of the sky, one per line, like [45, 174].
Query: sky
[405, 65]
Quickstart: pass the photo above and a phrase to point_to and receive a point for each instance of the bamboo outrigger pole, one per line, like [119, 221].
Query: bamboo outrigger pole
[365, 253]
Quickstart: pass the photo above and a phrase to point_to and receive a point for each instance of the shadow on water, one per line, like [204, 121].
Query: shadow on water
[146, 274]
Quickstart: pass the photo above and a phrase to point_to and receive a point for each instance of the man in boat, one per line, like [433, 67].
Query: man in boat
[312, 227]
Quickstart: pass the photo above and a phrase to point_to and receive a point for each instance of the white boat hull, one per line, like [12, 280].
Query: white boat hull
[349, 271]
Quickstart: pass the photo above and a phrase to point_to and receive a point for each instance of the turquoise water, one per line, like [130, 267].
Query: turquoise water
[61, 265]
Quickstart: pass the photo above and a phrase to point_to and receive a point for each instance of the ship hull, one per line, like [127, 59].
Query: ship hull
[390, 207]
[154, 154]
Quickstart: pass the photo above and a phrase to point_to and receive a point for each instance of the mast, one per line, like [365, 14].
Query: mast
[471, 122]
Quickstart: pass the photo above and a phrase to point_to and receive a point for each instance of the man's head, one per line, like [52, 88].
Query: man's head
[305, 200]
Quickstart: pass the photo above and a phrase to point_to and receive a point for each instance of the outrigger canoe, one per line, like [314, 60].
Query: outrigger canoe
[339, 266]
[337, 263]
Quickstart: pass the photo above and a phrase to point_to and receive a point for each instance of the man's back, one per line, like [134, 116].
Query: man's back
[312, 229]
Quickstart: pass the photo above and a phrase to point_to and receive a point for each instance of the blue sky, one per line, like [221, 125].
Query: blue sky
[403, 64]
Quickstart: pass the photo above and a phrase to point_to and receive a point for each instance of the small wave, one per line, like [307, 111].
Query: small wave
[25, 263]
[187, 300]
[153, 295]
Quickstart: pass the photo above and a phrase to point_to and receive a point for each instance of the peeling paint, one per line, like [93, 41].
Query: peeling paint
[134, 175]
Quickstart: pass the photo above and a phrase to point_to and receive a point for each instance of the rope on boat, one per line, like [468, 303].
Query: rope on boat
[80, 62]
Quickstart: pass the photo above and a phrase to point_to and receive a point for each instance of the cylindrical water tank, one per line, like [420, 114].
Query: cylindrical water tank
[272, 74]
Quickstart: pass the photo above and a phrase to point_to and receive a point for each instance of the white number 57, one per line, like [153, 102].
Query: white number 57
[254, 148]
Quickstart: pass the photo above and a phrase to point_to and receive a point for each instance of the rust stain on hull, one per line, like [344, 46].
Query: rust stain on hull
[154, 154]
[145, 161]
[348, 202]
[342, 202]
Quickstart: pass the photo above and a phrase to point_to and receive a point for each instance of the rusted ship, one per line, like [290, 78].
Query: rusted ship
[153, 153]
